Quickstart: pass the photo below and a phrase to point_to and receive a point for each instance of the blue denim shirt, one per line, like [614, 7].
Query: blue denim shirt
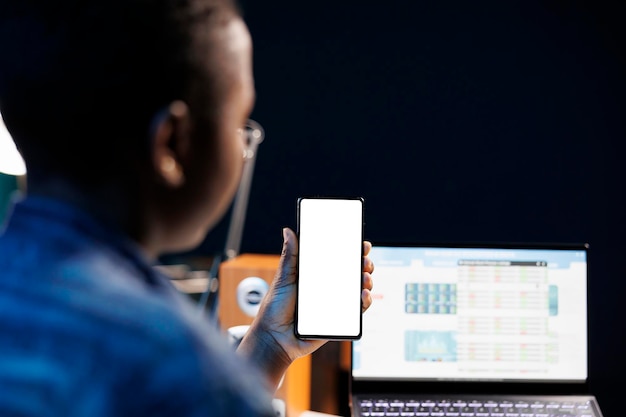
[89, 328]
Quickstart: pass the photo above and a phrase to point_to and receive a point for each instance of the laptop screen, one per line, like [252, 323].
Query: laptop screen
[467, 313]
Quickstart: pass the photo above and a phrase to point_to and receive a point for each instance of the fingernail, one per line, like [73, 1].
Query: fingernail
[284, 234]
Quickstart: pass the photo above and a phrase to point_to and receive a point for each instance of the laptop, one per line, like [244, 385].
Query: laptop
[474, 330]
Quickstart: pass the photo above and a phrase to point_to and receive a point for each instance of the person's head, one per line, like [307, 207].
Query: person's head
[141, 96]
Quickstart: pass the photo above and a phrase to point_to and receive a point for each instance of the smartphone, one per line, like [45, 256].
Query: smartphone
[329, 268]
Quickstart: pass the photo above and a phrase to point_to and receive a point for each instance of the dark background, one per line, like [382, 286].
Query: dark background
[456, 121]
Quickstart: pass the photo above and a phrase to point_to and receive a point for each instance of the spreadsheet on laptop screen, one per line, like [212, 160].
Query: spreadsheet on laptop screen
[470, 313]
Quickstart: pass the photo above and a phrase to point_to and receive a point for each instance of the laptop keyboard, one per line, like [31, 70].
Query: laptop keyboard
[474, 408]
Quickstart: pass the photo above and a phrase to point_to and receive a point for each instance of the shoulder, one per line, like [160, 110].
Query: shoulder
[123, 345]
[129, 349]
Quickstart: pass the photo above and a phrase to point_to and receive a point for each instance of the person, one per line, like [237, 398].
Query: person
[127, 115]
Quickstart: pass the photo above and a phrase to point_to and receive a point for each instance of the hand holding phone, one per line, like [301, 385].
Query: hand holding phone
[330, 257]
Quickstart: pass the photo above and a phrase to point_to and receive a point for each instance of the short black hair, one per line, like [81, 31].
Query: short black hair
[81, 75]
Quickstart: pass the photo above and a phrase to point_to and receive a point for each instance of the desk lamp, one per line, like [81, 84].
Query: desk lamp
[12, 170]
[11, 162]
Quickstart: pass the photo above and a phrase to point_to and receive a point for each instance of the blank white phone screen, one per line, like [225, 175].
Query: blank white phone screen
[330, 268]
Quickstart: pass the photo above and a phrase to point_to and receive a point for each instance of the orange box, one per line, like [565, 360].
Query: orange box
[296, 387]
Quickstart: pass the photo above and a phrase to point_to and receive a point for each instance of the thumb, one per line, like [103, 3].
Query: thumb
[286, 273]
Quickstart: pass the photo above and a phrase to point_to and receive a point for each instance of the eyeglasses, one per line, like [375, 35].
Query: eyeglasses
[252, 135]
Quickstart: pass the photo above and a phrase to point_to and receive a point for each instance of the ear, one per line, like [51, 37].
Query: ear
[170, 141]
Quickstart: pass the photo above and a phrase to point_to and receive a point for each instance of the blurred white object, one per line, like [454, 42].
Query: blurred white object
[250, 292]
[11, 161]
[236, 333]
[279, 407]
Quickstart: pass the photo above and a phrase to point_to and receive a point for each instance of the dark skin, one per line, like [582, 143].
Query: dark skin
[186, 184]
